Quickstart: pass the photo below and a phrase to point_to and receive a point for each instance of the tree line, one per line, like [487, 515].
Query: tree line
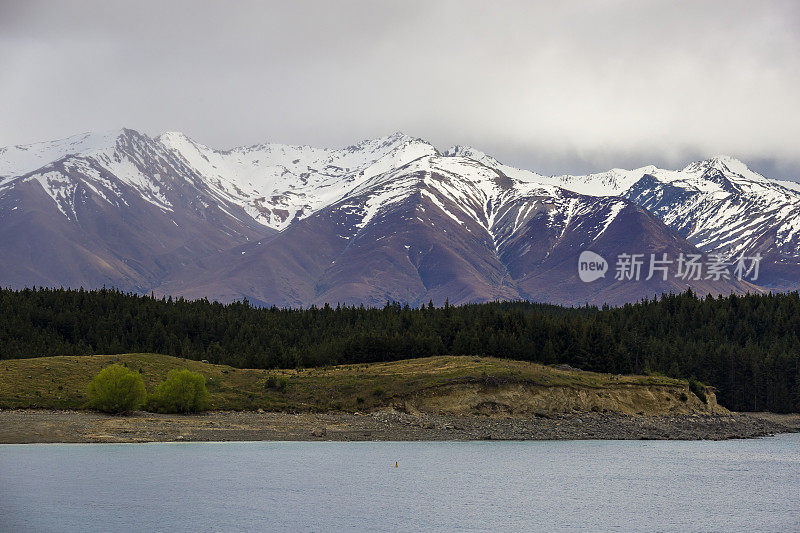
[745, 346]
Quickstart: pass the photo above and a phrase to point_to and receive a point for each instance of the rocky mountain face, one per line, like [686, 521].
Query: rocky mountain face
[118, 210]
[719, 205]
[385, 219]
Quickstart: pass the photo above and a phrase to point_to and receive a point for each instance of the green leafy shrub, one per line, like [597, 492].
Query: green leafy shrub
[117, 389]
[278, 383]
[698, 389]
[183, 391]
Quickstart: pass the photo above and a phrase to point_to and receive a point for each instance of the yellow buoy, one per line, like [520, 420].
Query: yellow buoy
[395, 464]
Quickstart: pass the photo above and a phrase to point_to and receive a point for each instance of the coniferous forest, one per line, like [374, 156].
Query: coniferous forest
[748, 347]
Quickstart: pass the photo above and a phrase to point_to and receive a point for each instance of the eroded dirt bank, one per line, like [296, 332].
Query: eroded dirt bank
[42, 426]
[525, 400]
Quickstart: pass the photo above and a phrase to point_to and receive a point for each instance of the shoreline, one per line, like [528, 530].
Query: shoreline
[33, 426]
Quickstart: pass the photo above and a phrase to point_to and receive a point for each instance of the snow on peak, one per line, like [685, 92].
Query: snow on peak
[384, 145]
[472, 153]
[181, 143]
[106, 163]
[22, 159]
[277, 184]
[729, 166]
[174, 137]
[727, 160]
[612, 182]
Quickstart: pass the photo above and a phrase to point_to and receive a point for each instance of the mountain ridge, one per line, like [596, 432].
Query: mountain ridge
[481, 222]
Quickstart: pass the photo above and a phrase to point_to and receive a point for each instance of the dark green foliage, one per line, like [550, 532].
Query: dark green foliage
[116, 389]
[746, 347]
[278, 383]
[183, 391]
[698, 390]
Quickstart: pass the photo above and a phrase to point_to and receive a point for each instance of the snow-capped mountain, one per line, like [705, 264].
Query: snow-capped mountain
[720, 205]
[389, 218]
[442, 227]
[117, 209]
[277, 184]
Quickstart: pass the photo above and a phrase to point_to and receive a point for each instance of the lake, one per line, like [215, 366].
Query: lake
[751, 485]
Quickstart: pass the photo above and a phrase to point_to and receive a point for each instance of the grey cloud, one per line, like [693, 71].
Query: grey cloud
[571, 86]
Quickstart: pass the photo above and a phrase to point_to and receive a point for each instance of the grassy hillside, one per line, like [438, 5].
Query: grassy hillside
[433, 382]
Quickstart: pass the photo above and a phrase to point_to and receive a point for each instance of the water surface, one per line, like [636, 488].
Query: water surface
[751, 485]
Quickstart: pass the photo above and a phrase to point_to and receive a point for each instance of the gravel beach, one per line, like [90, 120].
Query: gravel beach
[50, 426]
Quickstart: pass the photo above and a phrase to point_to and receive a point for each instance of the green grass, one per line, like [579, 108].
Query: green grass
[61, 382]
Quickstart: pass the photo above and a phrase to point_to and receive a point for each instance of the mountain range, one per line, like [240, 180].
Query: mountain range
[392, 218]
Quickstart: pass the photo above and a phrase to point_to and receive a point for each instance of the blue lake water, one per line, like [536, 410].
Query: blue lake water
[751, 485]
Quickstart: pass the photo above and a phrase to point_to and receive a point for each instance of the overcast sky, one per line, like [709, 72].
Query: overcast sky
[556, 87]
